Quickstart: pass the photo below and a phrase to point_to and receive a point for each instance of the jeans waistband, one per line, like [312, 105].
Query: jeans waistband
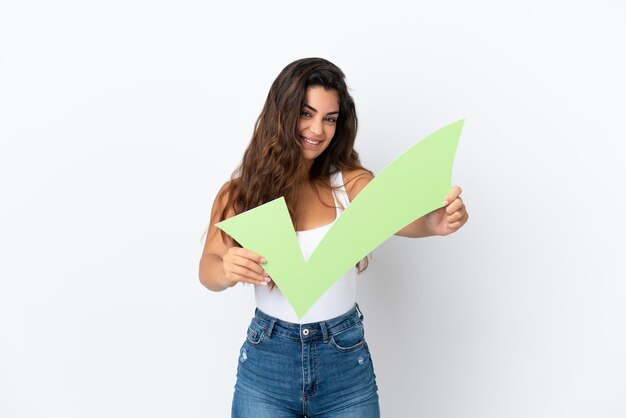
[310, 331]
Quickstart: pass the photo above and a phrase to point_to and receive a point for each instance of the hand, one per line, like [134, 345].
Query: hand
[241, 265]
[451, 217]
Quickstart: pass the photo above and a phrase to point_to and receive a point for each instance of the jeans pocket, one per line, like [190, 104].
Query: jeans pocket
[349, 339]
[256, 333]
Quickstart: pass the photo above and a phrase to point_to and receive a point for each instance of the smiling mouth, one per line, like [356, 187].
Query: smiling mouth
[311, 142]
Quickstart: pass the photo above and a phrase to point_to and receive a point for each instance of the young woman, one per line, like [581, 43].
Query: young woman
[302, 148]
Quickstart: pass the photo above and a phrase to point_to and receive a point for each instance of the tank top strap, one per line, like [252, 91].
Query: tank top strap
[339, 191]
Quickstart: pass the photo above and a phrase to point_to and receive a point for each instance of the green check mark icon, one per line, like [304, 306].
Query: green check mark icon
[413, 185]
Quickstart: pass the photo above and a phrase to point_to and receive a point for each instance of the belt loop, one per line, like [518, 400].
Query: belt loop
[270, 328]
[324, 331]
[359, 311]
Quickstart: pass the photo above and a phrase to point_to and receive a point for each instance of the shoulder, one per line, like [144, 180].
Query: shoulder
[215, 242]
[356, 180]
[222, 194]
[221, 200]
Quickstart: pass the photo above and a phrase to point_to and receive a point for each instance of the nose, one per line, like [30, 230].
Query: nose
[316, 127]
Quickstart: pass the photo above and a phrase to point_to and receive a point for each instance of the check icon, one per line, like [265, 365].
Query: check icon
[413, 185]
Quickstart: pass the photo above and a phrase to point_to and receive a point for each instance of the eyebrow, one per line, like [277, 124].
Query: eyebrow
[336, 112]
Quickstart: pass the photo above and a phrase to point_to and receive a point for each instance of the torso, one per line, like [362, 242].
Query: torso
[320, 213]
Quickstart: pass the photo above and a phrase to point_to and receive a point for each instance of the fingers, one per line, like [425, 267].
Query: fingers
[242, 265]
[456, 214]
[456, 206]
[249, 254]
[457, 219]
[456, 225]
[241, 274]
[453, 195]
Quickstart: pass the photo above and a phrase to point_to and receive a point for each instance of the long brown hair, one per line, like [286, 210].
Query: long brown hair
[273, 164]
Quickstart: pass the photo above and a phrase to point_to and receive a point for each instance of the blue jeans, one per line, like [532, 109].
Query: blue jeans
[320, 370]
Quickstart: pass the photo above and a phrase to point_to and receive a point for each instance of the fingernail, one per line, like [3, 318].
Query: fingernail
[265, 274]
[263, 261]
[445, 202]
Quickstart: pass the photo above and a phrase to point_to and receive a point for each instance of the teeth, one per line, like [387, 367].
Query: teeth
[312, 142]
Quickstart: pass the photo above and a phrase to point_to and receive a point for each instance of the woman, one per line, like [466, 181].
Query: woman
[302, 149]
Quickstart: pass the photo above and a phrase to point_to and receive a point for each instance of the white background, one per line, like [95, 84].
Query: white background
[119, 121]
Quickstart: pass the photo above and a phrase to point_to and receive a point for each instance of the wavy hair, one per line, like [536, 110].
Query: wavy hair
[273, 164]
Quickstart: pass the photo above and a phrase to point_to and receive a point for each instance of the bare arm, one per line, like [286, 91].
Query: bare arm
[223, 264]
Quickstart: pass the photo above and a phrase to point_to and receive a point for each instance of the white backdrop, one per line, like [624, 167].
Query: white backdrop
[119, 121]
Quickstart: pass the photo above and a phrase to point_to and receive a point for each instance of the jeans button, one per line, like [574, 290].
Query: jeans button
[305, 332]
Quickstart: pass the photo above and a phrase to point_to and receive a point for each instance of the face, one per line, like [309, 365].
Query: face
[318, 120]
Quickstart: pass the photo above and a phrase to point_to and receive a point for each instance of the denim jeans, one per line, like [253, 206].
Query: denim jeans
[322, 369]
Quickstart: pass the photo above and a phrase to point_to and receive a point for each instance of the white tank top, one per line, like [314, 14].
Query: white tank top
[338, 299]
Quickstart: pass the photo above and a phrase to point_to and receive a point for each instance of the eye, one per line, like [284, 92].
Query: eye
[305, 113]
[331, 119]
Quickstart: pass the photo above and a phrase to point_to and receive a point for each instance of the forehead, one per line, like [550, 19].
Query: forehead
[322, 99]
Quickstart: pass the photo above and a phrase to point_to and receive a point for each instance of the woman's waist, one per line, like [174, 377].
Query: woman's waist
[337, 300]
[309, 330]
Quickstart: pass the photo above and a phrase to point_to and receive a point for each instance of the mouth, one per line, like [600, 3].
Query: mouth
[309, 143]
